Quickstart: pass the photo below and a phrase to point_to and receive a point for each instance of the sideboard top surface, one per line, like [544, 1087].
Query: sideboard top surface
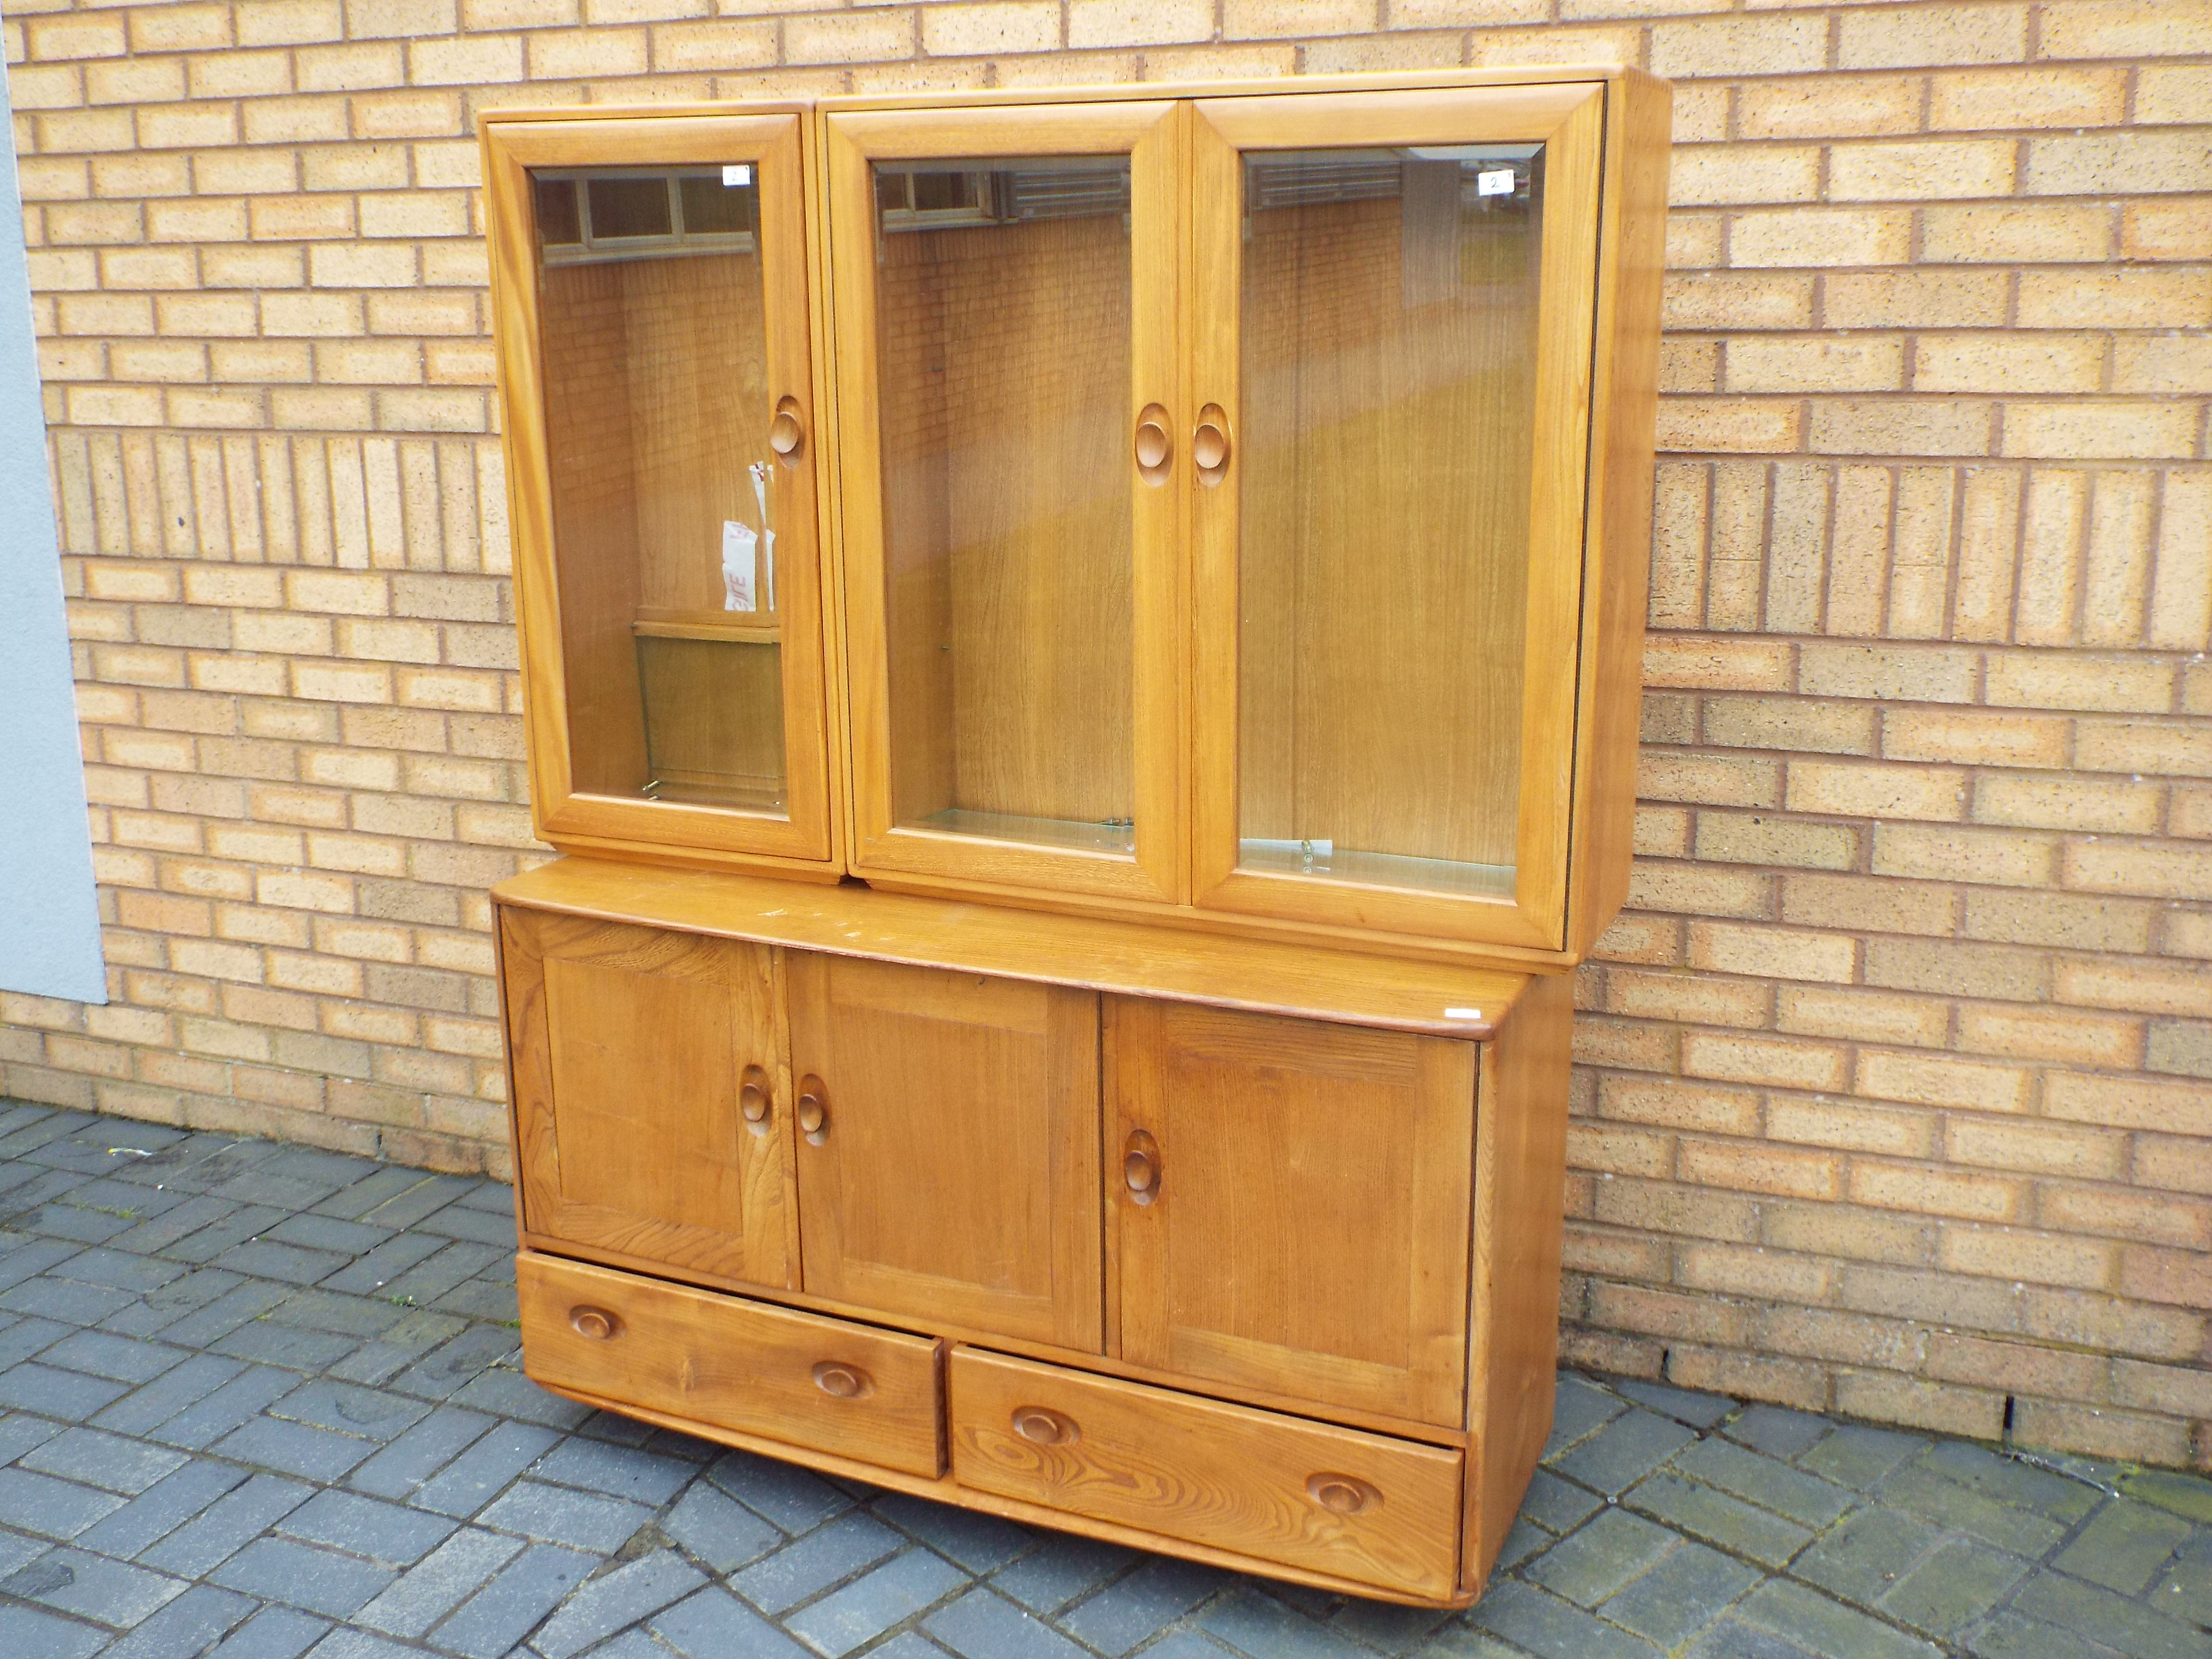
[1435, 998]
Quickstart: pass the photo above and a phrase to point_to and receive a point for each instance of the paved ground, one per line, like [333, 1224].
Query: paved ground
[262, 1401]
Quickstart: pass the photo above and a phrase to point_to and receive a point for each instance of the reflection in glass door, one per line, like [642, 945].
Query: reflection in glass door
[1003, 322]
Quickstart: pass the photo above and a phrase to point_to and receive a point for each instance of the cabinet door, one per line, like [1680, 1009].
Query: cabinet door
[1291, 1204]
[651, 281]
[1005, 325]
[1394, 374]
[949, 1162]
[651, 1098]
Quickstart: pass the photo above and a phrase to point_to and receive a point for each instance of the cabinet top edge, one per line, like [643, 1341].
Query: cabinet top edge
[1393, 80]
[1429, 998]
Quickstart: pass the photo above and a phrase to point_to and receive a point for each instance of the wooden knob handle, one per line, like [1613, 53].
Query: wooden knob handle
[1342, 1494]
[1209, 444]
[594, 1324]
[842, 1382]
[1041, 1427]
[785, 432]
[753, 1094]
[1152, 445]
[813, 1108]
[1140, 1166]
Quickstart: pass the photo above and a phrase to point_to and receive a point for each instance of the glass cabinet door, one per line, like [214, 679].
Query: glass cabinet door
[665, 500]
[1005, 285]
[1391, 371]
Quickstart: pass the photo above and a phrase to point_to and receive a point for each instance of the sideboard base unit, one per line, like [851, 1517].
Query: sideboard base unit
[1250, 1258]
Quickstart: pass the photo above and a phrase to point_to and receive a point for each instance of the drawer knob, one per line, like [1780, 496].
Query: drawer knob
[813, 1108]
[1041, 1427]
[1140, 1167]
[841, 1381]
[753, 1096]
[785, 431]
[1342, 1494]
[594, 1324]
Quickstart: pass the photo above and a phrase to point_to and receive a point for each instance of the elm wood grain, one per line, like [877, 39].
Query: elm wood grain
[1308, 1230]
[915, 746]
[1513, 1327]
[628, 1047]
[573, 805]
[1124, 957]
[790, 1378]
[1624, 395]
[948, 1168]
[1568, 119]
[1380, 1512]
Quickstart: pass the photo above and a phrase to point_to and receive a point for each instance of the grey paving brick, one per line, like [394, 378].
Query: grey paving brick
[328, 1232]
[471, 1480]
[977, 1541]
[609, 1602]
[21, 1430]
[1591, 1564]
[560, 1515]
[1578, 1408]
[715, 1624]
[1133, 1609]
[1823, 1627]
[34, 1633]
[1523, 1540]
[881, 1597]
[718, 1529]
[338, 1314]
[191, 1411]
[51, 1392]
[1777, 1431]
[34, 1256]
[238, 1223]
[1861, 1557]
[1923, 1492]
[1183, 1644]
[241, 1302]
[382, 1532]
[983, 1625]
[2186, 1495]
[1688, 1588]
[348, 1644]
[371, 1273]
[273, 1633]
[434, 1275]
[118, 1358]
[173, 1225]
[291, 1264]
[504, 1611]
[319, 1581]
[1623, 1451]
[175, 1307]
[240, 1515]
[1858, 1457]
[65, 1300]
[23, 1338]
[509, 1393]
[2008, 1636]
[93, 1587]
[1805, 1498]
[2122, 1548]
[51, 1509]
[1719, 1519]
[380, 1361]
[346, 1408]
[1047, 1579]
[1558, 1506]
[419, 1453]
[265, 1342]
[103, 1460]
[1698, 1410]
[817, 1561]
[162, 1508]
[117, 1270]
[787, 1496]
[1382, 1624]
[1554, 1628]
[351, 1203]
[438, 1584]
[462, 1220]
[618, 1471]
[19, 1549]
[186, 1626]
[1952, 1586]
[2009, 1480]
[293, 1447]
[456, 1363]
[424, 1198]
[2099, 1614]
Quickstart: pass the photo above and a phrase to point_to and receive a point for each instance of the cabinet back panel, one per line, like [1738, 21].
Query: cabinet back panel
[1005, 375]
[1389, 355]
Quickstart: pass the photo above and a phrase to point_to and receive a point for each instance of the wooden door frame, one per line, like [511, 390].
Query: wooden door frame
[774, 138]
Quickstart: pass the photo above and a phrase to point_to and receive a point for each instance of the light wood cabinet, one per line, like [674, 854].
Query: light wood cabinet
[1084, 646]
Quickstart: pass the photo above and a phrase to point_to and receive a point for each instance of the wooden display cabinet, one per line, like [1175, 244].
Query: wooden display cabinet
[1060, 1003]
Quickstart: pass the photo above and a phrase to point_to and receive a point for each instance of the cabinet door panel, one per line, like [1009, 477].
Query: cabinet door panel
[632, 1049]
[1005, 323]
[954, 1175]
[1398, 289]
[1303, 1223]
[653, 294]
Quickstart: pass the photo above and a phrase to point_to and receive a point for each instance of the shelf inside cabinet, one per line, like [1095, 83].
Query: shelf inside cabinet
[736, 628]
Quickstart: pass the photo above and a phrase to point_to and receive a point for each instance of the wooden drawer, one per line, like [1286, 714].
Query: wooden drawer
[1333, 1500]
[796, 1377]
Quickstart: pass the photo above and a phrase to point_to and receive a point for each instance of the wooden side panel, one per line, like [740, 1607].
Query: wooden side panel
[1308, 1231]
[956, 1176]
[1632, 264]
[1228, 1476]
[1520, 1172]
[628, 1046]
[798, 1378]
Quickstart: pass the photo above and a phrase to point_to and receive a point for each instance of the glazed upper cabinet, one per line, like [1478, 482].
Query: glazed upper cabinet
[655, 346]
[1241, 494]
